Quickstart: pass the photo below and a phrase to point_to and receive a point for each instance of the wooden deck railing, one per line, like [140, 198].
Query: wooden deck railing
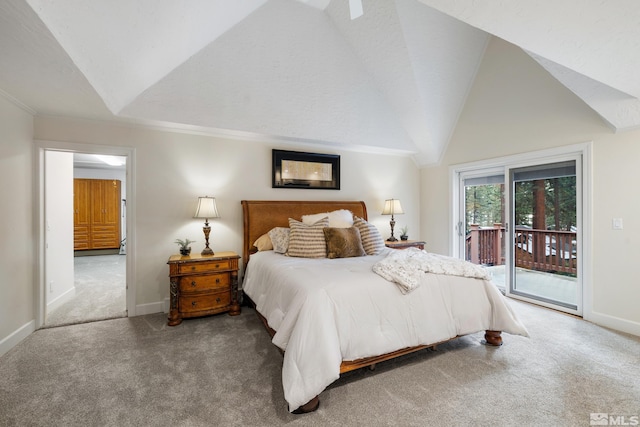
[485, 245]
[540, 250]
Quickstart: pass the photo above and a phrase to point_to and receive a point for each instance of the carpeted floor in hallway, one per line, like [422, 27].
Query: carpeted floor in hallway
[100, 282]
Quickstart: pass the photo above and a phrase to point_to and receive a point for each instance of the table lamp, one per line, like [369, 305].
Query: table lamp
[392, 207]
[206, 209]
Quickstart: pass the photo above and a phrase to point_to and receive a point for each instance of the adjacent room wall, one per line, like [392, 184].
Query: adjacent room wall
[17, 256]
[172, 169]
[515, 107]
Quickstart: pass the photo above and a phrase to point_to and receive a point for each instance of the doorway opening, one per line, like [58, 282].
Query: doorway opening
[85, 268]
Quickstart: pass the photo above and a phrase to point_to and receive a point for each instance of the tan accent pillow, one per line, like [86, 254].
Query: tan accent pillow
[263, 243]
[341, 218]
[343, 242]
[372, 240]
[307, 241]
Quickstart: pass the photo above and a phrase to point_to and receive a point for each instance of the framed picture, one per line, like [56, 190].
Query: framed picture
[294, 169]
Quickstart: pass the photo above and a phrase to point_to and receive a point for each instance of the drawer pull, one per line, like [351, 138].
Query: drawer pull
[193, 267]
[193, 283]
[217, 280]
[218, 299]
[193, 303]
[217, 265]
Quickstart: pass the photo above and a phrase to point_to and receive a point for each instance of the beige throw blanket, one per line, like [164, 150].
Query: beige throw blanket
[406, 267]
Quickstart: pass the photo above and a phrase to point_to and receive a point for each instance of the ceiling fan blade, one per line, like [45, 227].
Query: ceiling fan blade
[355, 9]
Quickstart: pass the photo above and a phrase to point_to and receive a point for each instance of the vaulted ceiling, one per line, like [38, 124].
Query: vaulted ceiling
[393, 80]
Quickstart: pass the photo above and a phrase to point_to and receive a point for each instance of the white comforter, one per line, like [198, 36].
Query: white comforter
[328, 310]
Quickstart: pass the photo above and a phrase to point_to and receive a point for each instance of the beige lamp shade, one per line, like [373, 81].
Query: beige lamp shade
[392, 207]
[206, 208]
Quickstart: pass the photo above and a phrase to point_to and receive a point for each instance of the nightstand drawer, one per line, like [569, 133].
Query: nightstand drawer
[190, 304]
[204, 283]
[197, 267]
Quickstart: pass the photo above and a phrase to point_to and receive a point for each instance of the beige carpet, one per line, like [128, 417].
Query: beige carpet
[223, 371]
[100, 282]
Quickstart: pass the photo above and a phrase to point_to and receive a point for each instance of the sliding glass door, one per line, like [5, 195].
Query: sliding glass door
[521, 218]
[544, 257]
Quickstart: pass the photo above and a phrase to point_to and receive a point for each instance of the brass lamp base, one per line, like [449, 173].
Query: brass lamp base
[392, 223]
[207, 250]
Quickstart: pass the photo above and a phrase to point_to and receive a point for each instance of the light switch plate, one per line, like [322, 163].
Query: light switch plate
[616, 223]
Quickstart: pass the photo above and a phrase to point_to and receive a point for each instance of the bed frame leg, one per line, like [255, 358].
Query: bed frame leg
[493, 337]
[310, 406]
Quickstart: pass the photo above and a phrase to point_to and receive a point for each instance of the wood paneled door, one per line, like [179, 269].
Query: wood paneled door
[96, 213]
[81, 214]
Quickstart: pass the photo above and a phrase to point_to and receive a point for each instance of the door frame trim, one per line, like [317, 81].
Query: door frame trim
[39, 217]
[584, 197]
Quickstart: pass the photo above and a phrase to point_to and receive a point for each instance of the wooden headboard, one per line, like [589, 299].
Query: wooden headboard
[260, 216]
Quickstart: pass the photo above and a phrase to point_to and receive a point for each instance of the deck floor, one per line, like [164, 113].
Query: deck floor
[555, 287]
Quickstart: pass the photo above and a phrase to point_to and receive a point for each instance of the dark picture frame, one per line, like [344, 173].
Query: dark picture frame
[296, 169]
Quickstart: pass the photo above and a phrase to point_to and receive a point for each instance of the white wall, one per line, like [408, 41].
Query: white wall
[59, 275]
[516, 107]
[17, 254]
[173, 169]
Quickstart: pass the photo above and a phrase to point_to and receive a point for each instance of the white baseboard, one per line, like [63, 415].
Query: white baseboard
[15, 337]
[167, 305]
[616, 323]
[151, 308]
[67, 296]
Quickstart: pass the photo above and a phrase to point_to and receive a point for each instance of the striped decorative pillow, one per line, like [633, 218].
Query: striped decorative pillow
[307, 241]
[372, 241]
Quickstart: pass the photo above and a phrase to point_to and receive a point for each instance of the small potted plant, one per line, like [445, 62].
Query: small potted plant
[185, 249]
[403, 233]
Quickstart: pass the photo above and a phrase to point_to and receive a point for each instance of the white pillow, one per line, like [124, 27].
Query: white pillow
[341, 218]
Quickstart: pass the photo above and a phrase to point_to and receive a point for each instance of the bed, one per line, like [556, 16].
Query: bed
[331, 316]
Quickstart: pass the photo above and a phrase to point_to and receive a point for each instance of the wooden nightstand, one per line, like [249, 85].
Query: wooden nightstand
[203, 285]
[404, 244]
